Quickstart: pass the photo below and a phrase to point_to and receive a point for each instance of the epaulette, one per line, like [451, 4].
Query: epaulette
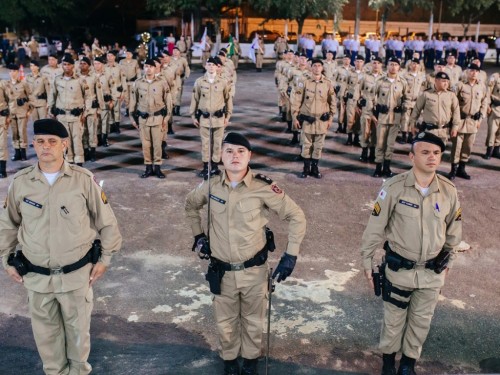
[77, 168]
[396, 179]
[24, 171]
[264, 178]
[445, 179]
[429, 89]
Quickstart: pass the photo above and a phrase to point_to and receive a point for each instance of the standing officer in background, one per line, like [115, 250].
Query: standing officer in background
[260, 50]
[211, 108]
[54, 211]
[130, 67]
[39, 90]
[418, 214]
[415, 80]
[205, 54]
[119, 87]
[182, 73]
[473, 100]
[313, 108]
[4, 129]
[238, 249]
[493, 137]
[150, 108]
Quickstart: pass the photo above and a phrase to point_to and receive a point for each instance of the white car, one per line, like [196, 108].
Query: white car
[44, 47]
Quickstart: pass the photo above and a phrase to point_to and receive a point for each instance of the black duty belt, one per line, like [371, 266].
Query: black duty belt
[74, 112]
[60, 270]
[42, 96]
[258, 260]
[4, 112]
[427, 126]
[132, 79]
[395, 261]
[144, 115]
[205, 114]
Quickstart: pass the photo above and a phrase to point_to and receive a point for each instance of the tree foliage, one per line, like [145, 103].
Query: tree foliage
[470, 11]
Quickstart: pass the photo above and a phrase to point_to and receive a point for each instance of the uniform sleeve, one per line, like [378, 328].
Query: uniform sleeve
[287, 210]
[374, 233]
[123, 82]
[453, 227]
[195, 98]
[104, 221]
[195, 201]
[332, 100]
[228, 99]
[133, 98]
[167, 97]
[10, 220]
[419, 106]
[187, 71]
[485, 102]
[455, 110]
[296, 100]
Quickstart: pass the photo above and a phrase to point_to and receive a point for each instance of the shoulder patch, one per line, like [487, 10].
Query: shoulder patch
[264, 178]
[376, 209]
[458, 215]
[276, 189]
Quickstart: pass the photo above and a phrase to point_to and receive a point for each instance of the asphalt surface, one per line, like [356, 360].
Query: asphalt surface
[153, 313]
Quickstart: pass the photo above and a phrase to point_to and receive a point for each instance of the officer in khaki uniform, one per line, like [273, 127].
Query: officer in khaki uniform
[150, 108]
[211, 107]
[493, 137]
[67, 103]
[453, 70]
[351, 97]
[439, 109]
[235, 57]
[330, 65]
[439, 66]
[54, 211]
[4, 128]
[90, 115]
[313, 109]
[132, 71]
[40, 90]
[182, 74]
[419, 215]
[280, 47]
[297, 77]
[473, 100]
[119, 87]
[285, 88]
[167, 71]
[20, 108]
[104, 103]
[51, 70]
[239, 206]
[340, 77]
[181, 46]
[388, 105]
[205, 54]
[259, 54]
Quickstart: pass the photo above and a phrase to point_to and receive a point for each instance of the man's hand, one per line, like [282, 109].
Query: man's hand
[196, 123]
[111, 104]
[97, 271]
[297, 125]
[226, 121]
[454, 133]
[164, 126]
[12, 272]
[369, 277]
[201, 246]
[285, 267]
[134, 124]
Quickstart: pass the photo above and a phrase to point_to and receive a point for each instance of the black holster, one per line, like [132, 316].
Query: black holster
[95, 251]
[310, 119]
[19, 262]
[4, 112]
[271, 246]
[119, 89]
[214, 276]
[439, 263]
[382, 108]
[325, 116]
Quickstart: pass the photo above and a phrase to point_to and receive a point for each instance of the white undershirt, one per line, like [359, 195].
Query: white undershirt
[422, 189]
[391, 79]
[234, 184]
[51, 177]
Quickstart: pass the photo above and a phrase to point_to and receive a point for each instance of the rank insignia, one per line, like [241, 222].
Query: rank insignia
[276, 189]
[376, 209]
[103, 197]
[458, 215]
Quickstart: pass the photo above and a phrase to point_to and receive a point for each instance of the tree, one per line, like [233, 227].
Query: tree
[471, 11]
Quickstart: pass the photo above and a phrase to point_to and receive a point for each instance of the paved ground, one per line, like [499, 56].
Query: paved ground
[153, 312]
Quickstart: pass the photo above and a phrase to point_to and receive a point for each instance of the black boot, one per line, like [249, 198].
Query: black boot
[288, 126]
[343, 130]
[461, 171]
[99, 139]
[204, 172]
[158, 173]
[23, 154]
[355, 141]
[410, 138]
[295, 139]
[148, 172]
[378, 170]
[170, 128]
[307, 168]
[283, 116]
[453, 172]
[127, 113]
[349, 140]
[314, 169]
[389, 364]
[407, 366]
[92, 155]
[214, 169]
[17, 155]
[164, 154]
[403, 138]
[117, 128]
[489, 152]
[231, 367]
[249, 366]
[371, 156]
[496, 152]
[177, 110]
[3, 168]
[105, 140]
[386, 169]
[364, 154]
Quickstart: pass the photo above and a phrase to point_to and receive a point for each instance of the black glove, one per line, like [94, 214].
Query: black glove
[285, 267]
[477, 116]
[201, 246]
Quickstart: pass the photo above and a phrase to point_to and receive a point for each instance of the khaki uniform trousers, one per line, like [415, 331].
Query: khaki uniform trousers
[442, 133]
[151, 137]
[178, 93]
[90, 131]
[366, 125]
[61, 327]
[386, 137]
[461, 147]
[312, 145]
[235, 59]
[75, 131]
[4, 134]
[493, 137]
[407, 329]
[405, 117]
[240, 312]
[39, 113]
[217, 137]
[352, 117]
[342, 112]
[115, 112]
[259, 59]
[104, 121]
[19, 127]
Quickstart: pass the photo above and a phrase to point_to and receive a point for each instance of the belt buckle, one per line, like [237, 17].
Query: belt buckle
[237, 267]
[56, 271]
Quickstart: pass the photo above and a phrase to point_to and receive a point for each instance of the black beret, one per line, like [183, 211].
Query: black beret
[297, 53]
[442, 75]
[218, 61]
[333, 53]
[237, 139]
[394, 59]
[35, 62]
[68, 59]
[221, 53]
[440, 62]
[212, 60]
[474, 67]
[13, 67]
[415, 60]
[316, 61]
[450, 54]
[360, 57]
[100, 59]
[150, 62]
[50, 126]
[302, 54]
[429, 138]
[112, 52]
[177, 48]
[53, 55]
[223, 49]
[86, 60]
[156, 59]
[379, 59]
[165, 53]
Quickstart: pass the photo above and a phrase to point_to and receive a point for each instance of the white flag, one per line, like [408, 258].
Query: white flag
[255, 45]
[203, 42]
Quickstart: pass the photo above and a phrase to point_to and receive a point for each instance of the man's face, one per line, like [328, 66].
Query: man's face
[235, 158]
[346, 61]
[97, 66]
[52, 61]
[317, 69]
[377, 66]
[149, 70]
[450, 60]
[441, 84]
[329, 56]
[176, 53]
[413, 66]
[67, 68]
[302, 60]
[472, 74]
[359, 64]
[439, 68]
[84, 67]
[128, 55]
[157, 67]
[211, 68]
[393, 67]
[34, 69]
[14, 74]
[426, 157]
[50, 148]
[111, 58]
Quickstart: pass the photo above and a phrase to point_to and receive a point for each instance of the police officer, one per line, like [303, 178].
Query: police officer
[313, 109]
[351, 96]
[20, 108]
[119, 87]
[260, 50]
[418, 214]
[340, 77]
[52, 69]
[150, 107]
[238, 249]
[54, 211]
[211, 109]
[130, 67]
[4, 129]
[297, 78]
[205, 54]
[493, 137]
[39, 89]
[182, 69]
[473, 100]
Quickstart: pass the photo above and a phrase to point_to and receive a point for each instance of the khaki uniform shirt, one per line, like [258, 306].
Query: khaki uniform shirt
[181, 66]
[472, 98]
[89, 85]
[181, 44]
[494, 91]
[329, 68]
[55, 225]
[340, 77]
[4, 98]
[367, 86]
[33, 46]
[391, 94]
[102, 88]
[39, 86]
[51, 73]
[416, 226]
[68, 93]
[15, 91]
[151, 97]
[239, 216]
[131, 69]
[437, 108]
[455, 73]
[353, 81]
[169, 74]
[297, 82]
[315, 99]
[280, 47]
[415, 87]
[117, 80]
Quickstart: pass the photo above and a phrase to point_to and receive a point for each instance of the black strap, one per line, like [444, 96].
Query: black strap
[400, 292]
[257, 260]
[398, 303]
[65, 269]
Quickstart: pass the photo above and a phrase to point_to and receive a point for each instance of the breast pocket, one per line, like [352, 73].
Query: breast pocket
[249, 210]
[408, 211]
[73, 215]
[31, 217]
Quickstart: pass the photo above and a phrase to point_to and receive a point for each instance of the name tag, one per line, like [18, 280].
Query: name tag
[32, 203]
[409, 204]
[217, 199]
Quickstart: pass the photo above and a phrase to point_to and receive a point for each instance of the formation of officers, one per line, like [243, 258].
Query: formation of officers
[374, 107]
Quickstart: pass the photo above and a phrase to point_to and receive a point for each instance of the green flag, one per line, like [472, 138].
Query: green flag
[230, 49]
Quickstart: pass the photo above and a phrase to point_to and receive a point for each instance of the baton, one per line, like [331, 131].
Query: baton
[270, 288]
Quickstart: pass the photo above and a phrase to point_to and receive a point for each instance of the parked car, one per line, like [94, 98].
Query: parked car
[267, 35]
[45, 48]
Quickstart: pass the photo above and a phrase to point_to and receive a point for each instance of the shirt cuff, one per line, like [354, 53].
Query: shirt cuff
[368, 264]
[4, 261]
[105, 259]
[293, 249]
